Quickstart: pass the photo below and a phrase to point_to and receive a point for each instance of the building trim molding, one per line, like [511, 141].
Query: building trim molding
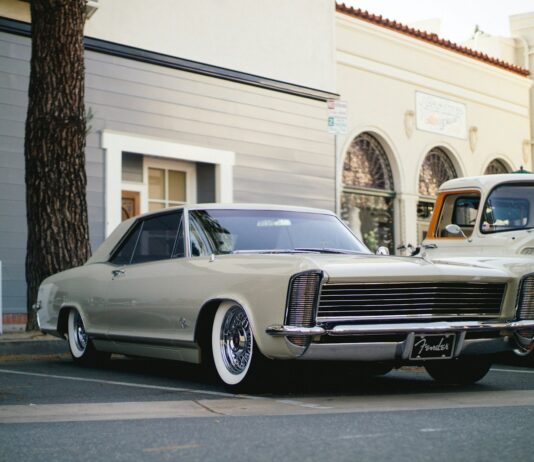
[441, 88]
[115, 143]
[13, 26]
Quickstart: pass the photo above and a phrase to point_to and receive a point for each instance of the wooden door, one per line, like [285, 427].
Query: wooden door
[130, 204]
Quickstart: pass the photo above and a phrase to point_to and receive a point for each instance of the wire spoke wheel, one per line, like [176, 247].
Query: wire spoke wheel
[80, 345]
[236, 340]
[80, 336]
[232, 345]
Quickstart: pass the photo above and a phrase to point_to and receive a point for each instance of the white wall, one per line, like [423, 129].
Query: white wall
[287, 40]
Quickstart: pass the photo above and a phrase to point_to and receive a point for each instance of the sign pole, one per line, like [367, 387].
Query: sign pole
[337, 124]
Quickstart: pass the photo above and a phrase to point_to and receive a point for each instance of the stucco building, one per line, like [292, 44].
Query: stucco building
[421, 110]
[214, 101]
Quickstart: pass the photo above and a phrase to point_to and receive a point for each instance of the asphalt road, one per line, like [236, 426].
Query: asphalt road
[129, 409]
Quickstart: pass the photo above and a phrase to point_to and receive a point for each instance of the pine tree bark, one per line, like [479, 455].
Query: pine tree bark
[54, 151]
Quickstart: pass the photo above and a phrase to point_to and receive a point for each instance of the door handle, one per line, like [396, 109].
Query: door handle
[117, 272]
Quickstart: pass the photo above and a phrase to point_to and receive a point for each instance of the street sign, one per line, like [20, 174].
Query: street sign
[337, 116]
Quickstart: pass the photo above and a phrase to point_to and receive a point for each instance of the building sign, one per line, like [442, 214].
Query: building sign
[337, 117]
[440, 115]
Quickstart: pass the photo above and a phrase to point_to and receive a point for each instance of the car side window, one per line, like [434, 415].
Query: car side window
[461, 210]
[124, 254]
[199, 242]
[157, 238]
[179, 245]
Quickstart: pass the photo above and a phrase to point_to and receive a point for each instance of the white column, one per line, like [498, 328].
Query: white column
[408, 218]
[112, 193]
[224, 182]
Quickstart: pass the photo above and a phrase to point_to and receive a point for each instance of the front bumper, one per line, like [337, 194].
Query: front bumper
[509, 338]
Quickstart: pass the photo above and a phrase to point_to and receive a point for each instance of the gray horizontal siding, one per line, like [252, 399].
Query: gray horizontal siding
[283, 153]
[14, 72]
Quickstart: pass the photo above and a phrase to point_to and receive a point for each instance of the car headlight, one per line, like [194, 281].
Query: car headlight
[302, 298]
[525, 305]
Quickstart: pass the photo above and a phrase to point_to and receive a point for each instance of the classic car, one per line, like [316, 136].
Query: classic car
[233, 286]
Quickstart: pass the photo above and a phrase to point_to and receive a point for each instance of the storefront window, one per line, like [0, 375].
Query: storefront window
[495, 167]
[368, 193]
[437, 168]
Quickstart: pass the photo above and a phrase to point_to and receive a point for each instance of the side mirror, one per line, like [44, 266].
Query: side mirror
[382, 250]
[455, 230]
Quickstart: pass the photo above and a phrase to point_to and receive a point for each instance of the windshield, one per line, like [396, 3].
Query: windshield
[228, 231]
[509, 207]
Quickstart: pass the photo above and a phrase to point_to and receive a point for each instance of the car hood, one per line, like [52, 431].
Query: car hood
[517, 265]
[340, 268]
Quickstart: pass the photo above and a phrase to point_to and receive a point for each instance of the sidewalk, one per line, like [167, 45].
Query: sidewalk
[30, 343]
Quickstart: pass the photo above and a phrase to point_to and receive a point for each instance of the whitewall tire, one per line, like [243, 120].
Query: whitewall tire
[80, 345]
[232, 344]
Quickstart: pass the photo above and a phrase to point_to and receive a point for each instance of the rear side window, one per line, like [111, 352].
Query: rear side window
[155, 238]
[124, 254]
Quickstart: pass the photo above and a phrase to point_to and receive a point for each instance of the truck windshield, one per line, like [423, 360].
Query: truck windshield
[509, 207]
[222, 231]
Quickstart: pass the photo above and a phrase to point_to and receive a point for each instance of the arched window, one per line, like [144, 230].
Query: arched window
[437, 168]
[368, 192]
[496, 166]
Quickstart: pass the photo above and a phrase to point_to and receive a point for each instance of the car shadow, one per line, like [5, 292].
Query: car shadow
[289, 378]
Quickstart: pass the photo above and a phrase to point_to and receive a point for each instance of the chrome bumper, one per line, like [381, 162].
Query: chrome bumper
[384, 351]
[416, 328]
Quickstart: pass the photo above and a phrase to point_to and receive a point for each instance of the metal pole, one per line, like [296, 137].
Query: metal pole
[336, 177]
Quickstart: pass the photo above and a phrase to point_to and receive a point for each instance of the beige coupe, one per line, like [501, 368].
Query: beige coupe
[235, 285]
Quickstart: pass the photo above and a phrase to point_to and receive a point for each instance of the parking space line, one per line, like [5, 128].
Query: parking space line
[515, 371]
[128, 384]
[164, 388]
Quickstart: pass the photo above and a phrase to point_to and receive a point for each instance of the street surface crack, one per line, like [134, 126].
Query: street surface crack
[208, 408]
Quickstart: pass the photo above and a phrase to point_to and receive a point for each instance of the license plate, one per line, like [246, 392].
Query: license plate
[433, 346]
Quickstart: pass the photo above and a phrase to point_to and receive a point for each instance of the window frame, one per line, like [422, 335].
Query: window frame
[140, 222]
[166, 165]
[497, 186]
[438, 210]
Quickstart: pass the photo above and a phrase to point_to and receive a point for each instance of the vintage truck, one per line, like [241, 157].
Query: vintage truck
[489, 221]
[484, 216]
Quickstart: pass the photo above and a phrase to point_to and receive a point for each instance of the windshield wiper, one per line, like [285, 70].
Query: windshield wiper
[300, 250]
[273, 251]
[327, 250]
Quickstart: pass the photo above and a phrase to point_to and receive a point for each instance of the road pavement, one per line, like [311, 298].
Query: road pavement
[133, 409]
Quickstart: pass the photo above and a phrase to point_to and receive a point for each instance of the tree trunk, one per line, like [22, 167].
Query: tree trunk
[54, 151]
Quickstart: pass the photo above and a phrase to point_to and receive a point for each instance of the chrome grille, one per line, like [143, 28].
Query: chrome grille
[526, 298]
[301, 303]
[395, 301]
